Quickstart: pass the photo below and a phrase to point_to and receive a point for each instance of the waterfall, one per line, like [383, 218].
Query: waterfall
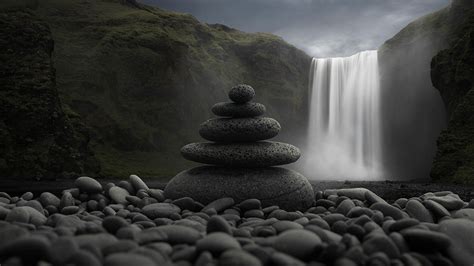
[344, 121]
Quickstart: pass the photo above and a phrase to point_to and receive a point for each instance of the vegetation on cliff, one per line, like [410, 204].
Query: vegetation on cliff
[452, 72]
[38, 140]
[140, 77]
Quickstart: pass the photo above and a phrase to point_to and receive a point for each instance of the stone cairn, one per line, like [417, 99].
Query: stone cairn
[240, 160]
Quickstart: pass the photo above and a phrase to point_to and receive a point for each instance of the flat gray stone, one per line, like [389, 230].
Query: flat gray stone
[241, 93]
[272, 186]
[257, 154]
[118, 194]
[239, 129]
[461, 232]
[416, 210]
[238, 109]
[160, 210]
[298, 243]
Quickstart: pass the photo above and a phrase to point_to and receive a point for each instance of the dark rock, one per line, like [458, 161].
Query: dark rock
[416, 210]
[255, 154]
[449, 202]
[88, 185]
[118, 194]
[160, 210]
[437, 209]
[218, 224]
[70, 210]
[426, 240]
[236, 257]
[66, 200]
[238, 110]
[178, 234]
[297, 243]
[381, 243]
[254, 213]
[185, 203]
[403, 224]
[282, 259]
[273, 186]
[388, 210]
[239, 129]
[464, 213]
[461, 233]
[219, 204]
[62, 249]
[241, 93]
[37, 248]
[113, 223]
[345, 206]
[137, 183]
[250, 204]
[83, 258]
[126, 259]
[282, 226]
[217, 243]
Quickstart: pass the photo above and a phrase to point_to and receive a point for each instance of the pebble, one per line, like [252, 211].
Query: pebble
[88, 185]
[237, 257]
[218, 224]
[160, 210]
[297, 243]
[126, 259]
[219, 204]
[388, 210]
[217, 242]
[118, 195]
[241, 93]
[425, 240]
[347, 227]
[415, 209]
[137, 183]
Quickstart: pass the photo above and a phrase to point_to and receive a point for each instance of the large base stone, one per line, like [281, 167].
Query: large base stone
[272, 185]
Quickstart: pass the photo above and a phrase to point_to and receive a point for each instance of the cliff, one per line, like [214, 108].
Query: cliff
[452, 73]
[140, 78]
[38, 138]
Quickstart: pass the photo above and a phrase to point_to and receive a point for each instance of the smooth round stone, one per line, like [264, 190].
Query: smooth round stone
[237, 257]
[217, 243]
[218, 224]
[160, 210]
[118, 194]
[381, 243]
[88, 185]
[238, 109]
[416, 210]
[388, 210]
[239, 129]
[113, 223]
[137, 183]
[437, 209]
[220, 204]
[297, 243]
[36, 248]
[464, 213]
[241, 93]
[250, 204]
[426, 240]
[449, 202]
[257, 154]
[26, 214]
[345, 206]
[461, 232]
[272, 186]
[125, 259]
[179, 234]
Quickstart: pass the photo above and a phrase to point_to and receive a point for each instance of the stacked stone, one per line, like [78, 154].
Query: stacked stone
[241, 160]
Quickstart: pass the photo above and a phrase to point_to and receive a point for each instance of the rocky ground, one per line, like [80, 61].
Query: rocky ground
[132, 224]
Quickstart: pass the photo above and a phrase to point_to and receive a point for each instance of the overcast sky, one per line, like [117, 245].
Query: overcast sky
[322, 28]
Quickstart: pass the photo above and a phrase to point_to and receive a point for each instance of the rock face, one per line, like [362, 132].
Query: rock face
[242, 170]
[452, 74]
[39, 139]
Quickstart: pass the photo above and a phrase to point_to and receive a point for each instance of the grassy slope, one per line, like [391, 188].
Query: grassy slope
[141, 78]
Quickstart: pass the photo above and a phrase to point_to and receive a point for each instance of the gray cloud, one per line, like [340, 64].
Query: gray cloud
[322, 28]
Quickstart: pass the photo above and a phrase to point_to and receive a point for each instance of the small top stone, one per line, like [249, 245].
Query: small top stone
[241, 93]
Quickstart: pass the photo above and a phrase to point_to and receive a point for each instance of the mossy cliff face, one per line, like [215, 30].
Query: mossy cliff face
[412, 109]
[452, 73]
[141, 79]
[37, 138]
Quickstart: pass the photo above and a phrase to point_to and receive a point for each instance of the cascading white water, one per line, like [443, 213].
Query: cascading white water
[344, 127]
